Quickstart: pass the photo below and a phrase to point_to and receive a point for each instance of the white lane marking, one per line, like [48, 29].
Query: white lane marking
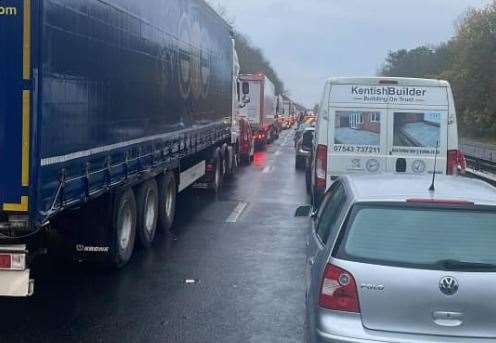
[237, 212]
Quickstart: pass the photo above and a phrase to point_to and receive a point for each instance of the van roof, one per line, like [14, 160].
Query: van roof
[392, 187]
[376, 81]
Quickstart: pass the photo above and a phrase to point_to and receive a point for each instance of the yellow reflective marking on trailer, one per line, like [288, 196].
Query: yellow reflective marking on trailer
[23, 206]
[26, 111]
[26, 56]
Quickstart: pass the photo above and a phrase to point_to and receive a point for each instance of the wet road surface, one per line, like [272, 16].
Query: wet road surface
[231, 272]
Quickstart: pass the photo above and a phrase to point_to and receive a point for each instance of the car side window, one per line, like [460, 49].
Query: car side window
[328, 219]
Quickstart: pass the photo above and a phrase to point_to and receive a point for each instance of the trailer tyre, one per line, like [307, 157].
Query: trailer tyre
[124, 228]
[232, 161]
[147, 201]
[217, 177]
[167, 201]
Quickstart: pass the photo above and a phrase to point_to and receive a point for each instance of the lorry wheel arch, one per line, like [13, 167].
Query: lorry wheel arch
[147, 199]
[167, 190]
[124, 218]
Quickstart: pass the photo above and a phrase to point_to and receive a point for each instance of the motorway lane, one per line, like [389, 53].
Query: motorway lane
[232, 271]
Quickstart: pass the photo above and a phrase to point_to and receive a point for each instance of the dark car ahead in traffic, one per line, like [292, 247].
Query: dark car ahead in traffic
[304, 147]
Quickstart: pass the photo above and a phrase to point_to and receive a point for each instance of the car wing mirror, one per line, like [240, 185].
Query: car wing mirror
[303, 211]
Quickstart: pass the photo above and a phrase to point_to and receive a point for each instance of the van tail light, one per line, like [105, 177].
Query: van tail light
[339, 290]
[456, 162]
[321, 167]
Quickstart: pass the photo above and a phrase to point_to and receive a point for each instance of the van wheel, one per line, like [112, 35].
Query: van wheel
[147, 200]
[123, 228]
[167, 190]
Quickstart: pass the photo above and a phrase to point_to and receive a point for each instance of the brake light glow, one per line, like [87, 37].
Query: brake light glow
[321, 167]
[339, 290]
[456, 162]
[441, 202]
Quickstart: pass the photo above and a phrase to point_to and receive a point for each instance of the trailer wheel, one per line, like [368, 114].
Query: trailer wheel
[147, 200]
[232, 161]
[124, 228]
[167, 202]
[217, 178]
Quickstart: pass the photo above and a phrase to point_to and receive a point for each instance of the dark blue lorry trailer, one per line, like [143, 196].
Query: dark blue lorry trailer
[108, 109]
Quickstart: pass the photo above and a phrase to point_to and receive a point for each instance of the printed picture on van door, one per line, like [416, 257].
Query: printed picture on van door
[422, 130]
[358, 128]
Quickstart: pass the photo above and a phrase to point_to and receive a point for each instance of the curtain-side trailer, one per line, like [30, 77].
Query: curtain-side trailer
[108, 109]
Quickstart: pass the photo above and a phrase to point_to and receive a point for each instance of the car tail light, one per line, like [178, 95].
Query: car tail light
[321, 167]
[210, 168]
[339, 291]
[456, 162]
[13, 261]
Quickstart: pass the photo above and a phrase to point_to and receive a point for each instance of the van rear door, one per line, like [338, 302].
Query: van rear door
[416, 137]
[14, 103]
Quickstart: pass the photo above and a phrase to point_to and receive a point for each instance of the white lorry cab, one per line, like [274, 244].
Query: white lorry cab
[377, 124]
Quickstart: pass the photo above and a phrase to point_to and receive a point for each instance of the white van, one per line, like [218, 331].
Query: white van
[396, 125]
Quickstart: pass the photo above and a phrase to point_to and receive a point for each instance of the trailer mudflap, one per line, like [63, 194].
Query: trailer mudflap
[16, 283]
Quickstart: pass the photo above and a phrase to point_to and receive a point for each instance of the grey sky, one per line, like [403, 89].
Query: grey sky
[309, 40]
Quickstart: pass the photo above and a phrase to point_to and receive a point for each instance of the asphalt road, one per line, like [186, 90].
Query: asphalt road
[242, 252]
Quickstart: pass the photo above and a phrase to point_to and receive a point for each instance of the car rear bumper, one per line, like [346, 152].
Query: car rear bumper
[348, 328]
[302, 153]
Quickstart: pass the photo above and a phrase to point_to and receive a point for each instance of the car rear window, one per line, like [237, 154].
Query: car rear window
[419, 236]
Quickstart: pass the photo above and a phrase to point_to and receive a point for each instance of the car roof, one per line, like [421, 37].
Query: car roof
[376, 81]
[392, 187]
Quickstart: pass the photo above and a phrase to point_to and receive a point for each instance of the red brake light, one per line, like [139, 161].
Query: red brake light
[339, 290]
[441, 202]
[456, 162]
[321, 167]
[5, 261]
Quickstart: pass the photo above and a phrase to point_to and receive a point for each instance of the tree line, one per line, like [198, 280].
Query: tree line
[252, 60]
[468, 61]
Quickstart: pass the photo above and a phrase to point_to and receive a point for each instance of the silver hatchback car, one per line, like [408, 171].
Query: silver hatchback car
[391, 261]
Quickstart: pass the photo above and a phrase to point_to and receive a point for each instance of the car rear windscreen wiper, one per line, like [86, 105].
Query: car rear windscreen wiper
[464, 265]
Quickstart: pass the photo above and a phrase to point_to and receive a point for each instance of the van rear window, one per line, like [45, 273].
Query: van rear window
[358, 128]
[400, 235]
[417, 129]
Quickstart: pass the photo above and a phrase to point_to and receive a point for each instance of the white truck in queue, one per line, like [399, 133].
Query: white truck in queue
[395, 125]
[261, 101]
